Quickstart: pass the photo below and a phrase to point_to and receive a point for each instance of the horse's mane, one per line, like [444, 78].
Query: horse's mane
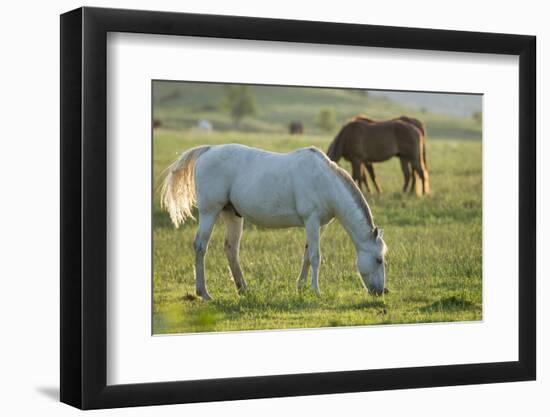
[356, 194]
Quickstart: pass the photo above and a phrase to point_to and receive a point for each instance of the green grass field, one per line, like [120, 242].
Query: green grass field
[433, 265]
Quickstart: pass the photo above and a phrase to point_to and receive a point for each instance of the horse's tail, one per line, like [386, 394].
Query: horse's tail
[334, 151]
[424, 163]
[178, 194]
[422, 129]
[424, 151]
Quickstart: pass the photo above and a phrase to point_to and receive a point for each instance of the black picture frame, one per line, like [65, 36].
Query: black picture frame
[84, 207]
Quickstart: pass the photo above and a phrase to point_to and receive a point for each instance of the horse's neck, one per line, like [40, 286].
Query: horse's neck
[351, 216]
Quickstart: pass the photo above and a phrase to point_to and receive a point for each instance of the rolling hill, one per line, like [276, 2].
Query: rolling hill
[180, 105]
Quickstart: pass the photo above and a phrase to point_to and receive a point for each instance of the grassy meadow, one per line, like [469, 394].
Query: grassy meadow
[433, 265]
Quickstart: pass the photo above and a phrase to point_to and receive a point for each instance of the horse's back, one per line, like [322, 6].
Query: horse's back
[232, 160]
[263, 186]
[374, 142]
[240, 158]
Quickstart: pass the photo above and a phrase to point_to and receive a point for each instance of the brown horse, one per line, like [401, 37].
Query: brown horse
[363, 177]
[363, 140]
[296, 128]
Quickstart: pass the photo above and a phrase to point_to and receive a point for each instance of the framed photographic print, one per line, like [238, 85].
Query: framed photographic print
[257, 208]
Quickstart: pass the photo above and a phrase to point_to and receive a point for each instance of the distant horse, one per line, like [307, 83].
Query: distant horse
[302, 188]
[363, 178]
[296, 128]
[363, 140]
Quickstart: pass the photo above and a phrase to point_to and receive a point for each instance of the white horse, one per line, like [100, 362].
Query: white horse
[301, 188]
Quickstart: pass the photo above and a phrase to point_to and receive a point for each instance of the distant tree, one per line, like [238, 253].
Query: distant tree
[326, 120]
[477, 116]
[240, 101]
[170, 96]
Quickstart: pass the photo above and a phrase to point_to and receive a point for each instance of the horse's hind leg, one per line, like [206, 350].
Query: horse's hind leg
[426, 184]
[313, 245]
[233, 232]
[413, 179]
[373, 177]
[419, 169]
[206, 224]
[406, 173]
[425, 180]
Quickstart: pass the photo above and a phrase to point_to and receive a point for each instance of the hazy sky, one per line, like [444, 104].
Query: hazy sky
[457, 104]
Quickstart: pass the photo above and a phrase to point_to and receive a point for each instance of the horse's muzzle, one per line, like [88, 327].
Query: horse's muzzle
[375, 292]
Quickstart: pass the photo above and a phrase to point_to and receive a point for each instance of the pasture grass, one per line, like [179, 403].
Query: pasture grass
[433, 266]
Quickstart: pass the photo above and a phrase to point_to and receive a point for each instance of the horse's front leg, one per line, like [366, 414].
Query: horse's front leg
[374, 178]
[406, 173]
[313, 234]
[356, 171]
[364, 179]
[206, 224]
[300, 283]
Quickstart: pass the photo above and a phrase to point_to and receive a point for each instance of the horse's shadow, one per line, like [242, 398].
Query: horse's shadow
[363, 304]
[298, 303]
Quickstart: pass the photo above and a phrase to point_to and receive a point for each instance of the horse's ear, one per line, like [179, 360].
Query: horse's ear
[377, 233]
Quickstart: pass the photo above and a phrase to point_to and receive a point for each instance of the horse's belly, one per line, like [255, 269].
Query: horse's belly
[274, 220]
[377, 153]
[268, 213]
[266, 199]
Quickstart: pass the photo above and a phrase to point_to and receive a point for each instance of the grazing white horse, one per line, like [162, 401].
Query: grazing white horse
[301, 188]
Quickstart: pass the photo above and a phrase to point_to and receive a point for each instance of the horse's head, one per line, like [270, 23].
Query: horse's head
[370, 262]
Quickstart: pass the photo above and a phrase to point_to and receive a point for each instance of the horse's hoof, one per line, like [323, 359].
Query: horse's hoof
[317, 292]
[189, 297]
[204, 296]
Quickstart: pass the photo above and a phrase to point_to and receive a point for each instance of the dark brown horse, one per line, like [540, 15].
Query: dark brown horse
[296, 128]
[363, 140]
[369, 167]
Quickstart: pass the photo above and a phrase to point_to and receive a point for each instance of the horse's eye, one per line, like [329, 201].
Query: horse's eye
[379, 260]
